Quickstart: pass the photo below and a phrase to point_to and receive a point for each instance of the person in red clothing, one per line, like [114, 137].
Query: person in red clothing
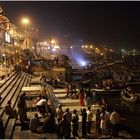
[81, 97]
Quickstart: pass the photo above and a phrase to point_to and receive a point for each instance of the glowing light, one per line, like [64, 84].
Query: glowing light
[48, 48]
[71, 47]
[52, 41]
[83, 63]
[45, 43]
[25, 21]
[122, 50]
[11, 32]
[56, 47]
[53, 49]
[134, 50]
[86, 46]
[15, 43]
[91, 46]
[83, 46]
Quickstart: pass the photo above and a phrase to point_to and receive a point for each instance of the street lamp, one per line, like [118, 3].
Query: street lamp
[52, 43]
[25, 21]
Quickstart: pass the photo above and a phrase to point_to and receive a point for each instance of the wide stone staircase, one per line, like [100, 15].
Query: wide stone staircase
[10, 90]
[56, 96]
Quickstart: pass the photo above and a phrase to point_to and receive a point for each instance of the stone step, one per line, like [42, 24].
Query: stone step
[69, 102]
[60, 96]
[59, 91]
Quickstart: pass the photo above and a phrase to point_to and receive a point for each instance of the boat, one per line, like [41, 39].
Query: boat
[108, 86]
[129, 97]
[107, 91]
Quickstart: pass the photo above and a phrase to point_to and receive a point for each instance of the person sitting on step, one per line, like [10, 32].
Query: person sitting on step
[10, 111]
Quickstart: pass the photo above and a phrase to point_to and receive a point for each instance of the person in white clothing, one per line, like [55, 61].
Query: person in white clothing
[103, 122]
[59, 113]
[42, 106]
[107, 121]
[115, 120]
[89, 120]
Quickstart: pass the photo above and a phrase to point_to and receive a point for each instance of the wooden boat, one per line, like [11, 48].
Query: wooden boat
[107, 91]
[129, 97]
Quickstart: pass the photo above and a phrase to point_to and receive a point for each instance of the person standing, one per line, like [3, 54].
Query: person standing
[22, 108]
[98, 120]
[69, 118]
[107, 120]
[89, 120]
[59, 113]
[84, 122]
[103, 123]
[63, 128]
[81, 97]
[88, 97]
[115, 120]
[75, 120]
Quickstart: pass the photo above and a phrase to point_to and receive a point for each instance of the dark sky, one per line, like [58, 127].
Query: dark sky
[116, 24]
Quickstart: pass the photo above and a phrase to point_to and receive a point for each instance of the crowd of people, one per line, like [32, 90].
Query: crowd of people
[86, 96]
[67, 124]
[105, 122]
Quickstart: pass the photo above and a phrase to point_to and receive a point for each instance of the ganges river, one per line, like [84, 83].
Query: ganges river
[130, 112]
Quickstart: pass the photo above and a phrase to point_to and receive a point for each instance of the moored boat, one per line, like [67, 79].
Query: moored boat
[107, 91]
[129, 96]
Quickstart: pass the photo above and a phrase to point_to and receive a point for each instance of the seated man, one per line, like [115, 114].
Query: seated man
[49, 124]
[34, 123]
[10, 111]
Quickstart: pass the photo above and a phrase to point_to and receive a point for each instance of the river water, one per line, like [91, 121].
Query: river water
[129, 112]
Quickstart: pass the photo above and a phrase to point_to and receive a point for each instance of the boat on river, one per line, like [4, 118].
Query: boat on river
[107, 91]
[129, 96]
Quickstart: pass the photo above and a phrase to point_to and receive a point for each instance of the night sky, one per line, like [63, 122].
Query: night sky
[115, 24]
